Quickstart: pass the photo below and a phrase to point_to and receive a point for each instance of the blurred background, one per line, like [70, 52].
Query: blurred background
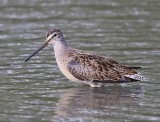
[127, 31]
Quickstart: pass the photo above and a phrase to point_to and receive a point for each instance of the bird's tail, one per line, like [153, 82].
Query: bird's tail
[136, 77]
[134, 68]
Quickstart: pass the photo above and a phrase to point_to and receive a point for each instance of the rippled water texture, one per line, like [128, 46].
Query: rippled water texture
[126, 30]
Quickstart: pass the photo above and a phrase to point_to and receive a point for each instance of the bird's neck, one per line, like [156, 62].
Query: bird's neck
[60, 48]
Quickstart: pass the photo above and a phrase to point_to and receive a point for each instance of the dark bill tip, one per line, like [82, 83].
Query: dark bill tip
[36, 51]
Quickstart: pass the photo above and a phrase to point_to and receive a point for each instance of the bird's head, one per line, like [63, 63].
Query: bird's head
[53, 36]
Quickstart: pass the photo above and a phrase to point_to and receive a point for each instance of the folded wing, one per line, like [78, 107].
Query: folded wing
[88, 67]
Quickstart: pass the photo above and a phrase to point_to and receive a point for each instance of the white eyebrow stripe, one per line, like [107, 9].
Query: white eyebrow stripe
[50, 36]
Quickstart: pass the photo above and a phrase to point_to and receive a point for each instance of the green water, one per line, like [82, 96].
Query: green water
[128, 31]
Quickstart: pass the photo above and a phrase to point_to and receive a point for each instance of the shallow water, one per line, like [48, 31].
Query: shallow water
[127, 31]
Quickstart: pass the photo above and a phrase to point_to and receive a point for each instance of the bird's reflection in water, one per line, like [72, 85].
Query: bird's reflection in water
[86, 101]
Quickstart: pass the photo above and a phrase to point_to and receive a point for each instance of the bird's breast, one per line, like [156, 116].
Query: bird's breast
[62, 64]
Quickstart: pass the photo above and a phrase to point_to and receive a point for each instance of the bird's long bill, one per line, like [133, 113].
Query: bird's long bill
[36, 51]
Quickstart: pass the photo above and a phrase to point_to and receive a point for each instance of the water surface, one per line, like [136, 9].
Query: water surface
[127, 31]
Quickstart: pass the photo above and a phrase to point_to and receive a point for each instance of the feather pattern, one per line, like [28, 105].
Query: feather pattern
[87, 68]
[91, 67]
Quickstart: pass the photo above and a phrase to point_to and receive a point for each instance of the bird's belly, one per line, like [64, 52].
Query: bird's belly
[63, 68]
[66, 73]
[69, 75]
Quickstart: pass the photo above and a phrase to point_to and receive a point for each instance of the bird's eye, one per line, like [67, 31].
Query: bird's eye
[54, 35]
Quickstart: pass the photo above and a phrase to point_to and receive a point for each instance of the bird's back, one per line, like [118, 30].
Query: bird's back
[91, 67]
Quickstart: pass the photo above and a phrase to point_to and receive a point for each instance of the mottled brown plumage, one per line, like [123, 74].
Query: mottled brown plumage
[87, 68]
[91, 67]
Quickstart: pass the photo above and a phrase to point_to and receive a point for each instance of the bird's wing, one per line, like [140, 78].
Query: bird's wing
[89, 67]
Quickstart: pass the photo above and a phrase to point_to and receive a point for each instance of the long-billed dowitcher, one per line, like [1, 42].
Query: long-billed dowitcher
[87, 68]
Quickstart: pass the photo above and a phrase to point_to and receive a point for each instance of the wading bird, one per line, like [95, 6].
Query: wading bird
[87, 68]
